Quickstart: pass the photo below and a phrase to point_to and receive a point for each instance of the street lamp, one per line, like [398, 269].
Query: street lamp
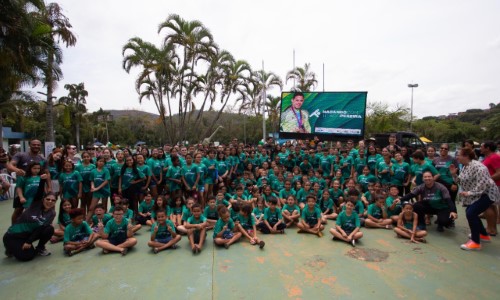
[412, 86]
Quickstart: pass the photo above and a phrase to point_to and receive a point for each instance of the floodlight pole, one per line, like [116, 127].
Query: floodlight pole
[323, 77]
[412, 86]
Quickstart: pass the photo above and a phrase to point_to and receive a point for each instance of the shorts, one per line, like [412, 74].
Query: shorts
[347, 231]
[164, 241]
[201, 189]
[227, 235]
[117, 241]
[152, 182]
[84, 239]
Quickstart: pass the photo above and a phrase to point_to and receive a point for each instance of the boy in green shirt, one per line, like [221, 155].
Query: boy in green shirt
[117, 236]
[78, 235]
[196, 226]
[273, 220]
[311, 218]
[163, 233]
[347, 225]
[225, 231]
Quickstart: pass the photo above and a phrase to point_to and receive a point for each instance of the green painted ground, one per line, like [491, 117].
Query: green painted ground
[295, 266]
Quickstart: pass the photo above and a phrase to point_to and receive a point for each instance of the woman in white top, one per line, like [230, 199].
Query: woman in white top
[479, 191]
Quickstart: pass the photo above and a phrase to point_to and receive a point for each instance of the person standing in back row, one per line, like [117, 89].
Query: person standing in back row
[19, 164]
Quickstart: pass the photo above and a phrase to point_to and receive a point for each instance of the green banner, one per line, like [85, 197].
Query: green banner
[323, 114]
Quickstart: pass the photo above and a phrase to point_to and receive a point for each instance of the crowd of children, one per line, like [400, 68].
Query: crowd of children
[236, 191]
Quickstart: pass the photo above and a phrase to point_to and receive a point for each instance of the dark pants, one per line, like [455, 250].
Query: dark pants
[453, 194]
[472, 213]
[264, 229]
[13, 244]
[142, 220]
[423, 207]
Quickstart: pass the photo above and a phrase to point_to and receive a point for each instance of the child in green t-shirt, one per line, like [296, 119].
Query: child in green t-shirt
[163, 235]
[246, 225]
[225, 231]
[407, 225]
[196, 226]
[291, 211]
[210, 212]
[347, 225]
[377, 214]
[186, 213]
[78, 235]
[311, 218]
[117, 235]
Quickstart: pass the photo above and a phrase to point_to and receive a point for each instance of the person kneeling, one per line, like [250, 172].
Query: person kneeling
[117, 236]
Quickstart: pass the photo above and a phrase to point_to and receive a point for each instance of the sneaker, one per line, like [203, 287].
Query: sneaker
[483, 238]
[226, 245]
[353, 242]
[440, 228]
[470, 245]
[124, 251]
[44, 252]
[70, 253]
[174, 246]
[156, 250]
[261, 244]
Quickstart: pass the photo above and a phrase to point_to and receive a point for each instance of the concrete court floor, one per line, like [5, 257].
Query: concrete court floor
[291, 266]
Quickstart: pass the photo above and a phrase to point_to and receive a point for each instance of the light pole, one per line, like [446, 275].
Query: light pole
[412, 86]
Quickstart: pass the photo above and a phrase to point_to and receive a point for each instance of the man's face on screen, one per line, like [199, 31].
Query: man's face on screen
[297, 102]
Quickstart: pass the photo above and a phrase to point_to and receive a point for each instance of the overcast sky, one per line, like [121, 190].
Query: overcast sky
[450, 48]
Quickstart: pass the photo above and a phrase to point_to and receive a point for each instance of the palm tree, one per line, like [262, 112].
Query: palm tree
[194, 42]
[59, 32]
[305, 79]
[236, 77]
[22, 47]
[158, 77]
[75, 102]
[273, 105]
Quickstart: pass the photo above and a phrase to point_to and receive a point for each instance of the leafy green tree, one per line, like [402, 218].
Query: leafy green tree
[75, 102]
[304, 78]
[380, 118]
[60, 32]
[194, 43]
[157, 76]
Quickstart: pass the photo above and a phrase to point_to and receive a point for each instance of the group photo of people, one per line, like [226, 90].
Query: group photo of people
[102, 197]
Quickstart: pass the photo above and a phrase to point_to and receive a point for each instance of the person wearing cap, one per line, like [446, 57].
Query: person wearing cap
[294, 118]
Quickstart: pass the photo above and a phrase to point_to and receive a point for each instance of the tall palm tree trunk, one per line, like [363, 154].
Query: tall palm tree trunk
[49, 134]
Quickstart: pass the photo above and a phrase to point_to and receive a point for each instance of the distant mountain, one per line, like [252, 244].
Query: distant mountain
[131, 112]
